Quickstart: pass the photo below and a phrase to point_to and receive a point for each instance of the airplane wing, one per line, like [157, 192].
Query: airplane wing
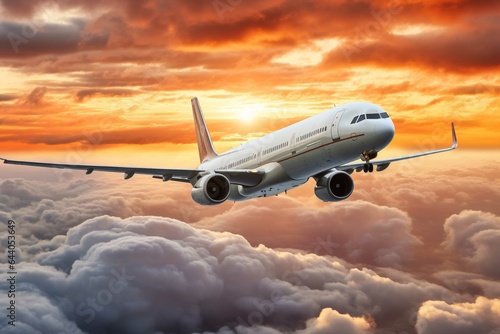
[243, 176]
[383, 164]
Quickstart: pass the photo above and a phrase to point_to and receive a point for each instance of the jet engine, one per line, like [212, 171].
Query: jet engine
[334, 187]
[211, 189]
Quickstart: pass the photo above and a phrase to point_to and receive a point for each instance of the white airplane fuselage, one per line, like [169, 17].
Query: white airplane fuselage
[292, 155]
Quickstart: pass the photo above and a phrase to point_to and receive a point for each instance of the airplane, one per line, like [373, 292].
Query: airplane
[323, 147]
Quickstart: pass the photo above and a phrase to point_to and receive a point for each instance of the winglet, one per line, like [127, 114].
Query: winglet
[205, 146]
[454, 137]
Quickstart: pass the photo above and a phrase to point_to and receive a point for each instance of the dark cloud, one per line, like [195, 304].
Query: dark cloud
[21, 8]
[457, 50]
[88, 93]
[7, 97]
[480, 88]
[274, 28]
[40, 306]
[34, 38]
[35, 97]
[468, 283]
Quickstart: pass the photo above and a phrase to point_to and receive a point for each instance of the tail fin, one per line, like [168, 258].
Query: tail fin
[205, 146]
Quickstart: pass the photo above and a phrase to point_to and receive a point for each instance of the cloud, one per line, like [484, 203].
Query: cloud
[475, 236]
[181, 267]
[481, 316]
[392, 226]
[174, 48]
[57, 201]
[35, 97]
[35, 38]
[23, 8]
[281, 25]
[149, 274]
[442, 50]
[40, 306]
[167, 51]
[7, 97]
[331, 321]
[415, 187]
[356, 231]
[473, 284]
[87, 93]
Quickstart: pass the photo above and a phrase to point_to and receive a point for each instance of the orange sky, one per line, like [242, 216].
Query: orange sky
[117, 76]
[109, 82]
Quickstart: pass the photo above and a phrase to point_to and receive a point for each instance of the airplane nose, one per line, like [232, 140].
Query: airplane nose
[384, 129]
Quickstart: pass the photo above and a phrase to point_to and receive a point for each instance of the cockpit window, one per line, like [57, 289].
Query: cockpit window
[354, 120]
[361, 118]
[384, 115]
[372, 116]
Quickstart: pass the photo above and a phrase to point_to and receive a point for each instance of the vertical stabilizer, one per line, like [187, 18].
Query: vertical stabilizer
[205, 146]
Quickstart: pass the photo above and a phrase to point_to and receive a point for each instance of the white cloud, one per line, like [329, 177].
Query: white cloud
[330, 321]
[475, 237]
[479, 317]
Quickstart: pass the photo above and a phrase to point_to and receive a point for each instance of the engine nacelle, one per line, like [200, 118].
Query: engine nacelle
[211, 189]
[334, 187]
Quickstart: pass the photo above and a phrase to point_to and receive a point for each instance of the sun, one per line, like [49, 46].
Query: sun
[246, 115]
[249, 112]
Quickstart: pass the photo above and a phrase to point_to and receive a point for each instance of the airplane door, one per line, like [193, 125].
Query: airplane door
[259, 156]
[292, 145]
[335, 125]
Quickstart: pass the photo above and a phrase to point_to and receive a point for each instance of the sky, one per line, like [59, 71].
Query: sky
[413, 250]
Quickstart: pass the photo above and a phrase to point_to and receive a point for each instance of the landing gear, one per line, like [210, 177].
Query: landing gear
[367, 156]
[368, 167]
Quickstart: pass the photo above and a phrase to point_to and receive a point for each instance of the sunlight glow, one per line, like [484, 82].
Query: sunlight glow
[249, 112]
[416, 30]
[51, 13]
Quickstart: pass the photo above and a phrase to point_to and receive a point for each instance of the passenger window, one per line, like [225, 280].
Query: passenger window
[361, 118]
[372, 116]
[354, 120]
